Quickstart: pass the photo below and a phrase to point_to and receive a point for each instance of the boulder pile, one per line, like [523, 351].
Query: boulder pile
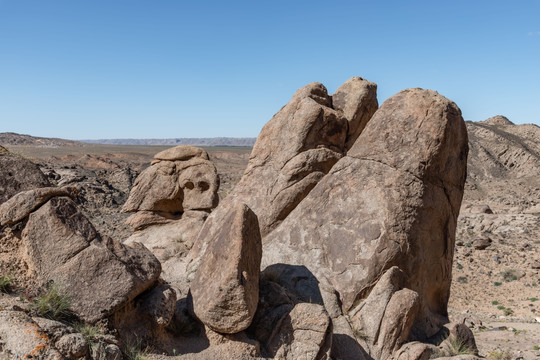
[337, 243]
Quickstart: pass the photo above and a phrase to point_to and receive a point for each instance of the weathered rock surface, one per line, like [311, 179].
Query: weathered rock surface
[182, 178]
[357, 99]
[225, 289]
[303, 333]
[22, 338]
[18, 174]
[298, 146]
[99, 274]
[22, 204]
[393, 200]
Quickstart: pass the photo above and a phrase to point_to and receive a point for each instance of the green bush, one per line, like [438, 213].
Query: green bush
[6, 283]
[53, 304]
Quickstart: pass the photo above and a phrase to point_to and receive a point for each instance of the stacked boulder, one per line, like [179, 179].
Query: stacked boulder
[170, 201]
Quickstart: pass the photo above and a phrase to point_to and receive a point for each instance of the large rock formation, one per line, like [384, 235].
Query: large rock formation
[299, 145]
[392, 201]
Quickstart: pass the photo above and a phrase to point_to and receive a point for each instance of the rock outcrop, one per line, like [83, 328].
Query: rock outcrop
[392, 201]
[299, 145]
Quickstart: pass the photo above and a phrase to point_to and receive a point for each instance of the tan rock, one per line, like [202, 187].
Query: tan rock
[225, 289]
[22, 338]
[303, 333]
[181, 152]
[175, 186]
[22, 204]
[357, 99]
[297, 147]
[393, 200]
[98, 274]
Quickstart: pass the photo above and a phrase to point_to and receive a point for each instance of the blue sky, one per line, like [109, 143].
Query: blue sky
[90, 69]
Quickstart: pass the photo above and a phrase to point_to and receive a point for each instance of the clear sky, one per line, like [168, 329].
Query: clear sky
[88, 69]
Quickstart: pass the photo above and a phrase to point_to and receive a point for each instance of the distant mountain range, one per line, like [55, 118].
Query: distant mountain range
[218, 141]
[13, 139]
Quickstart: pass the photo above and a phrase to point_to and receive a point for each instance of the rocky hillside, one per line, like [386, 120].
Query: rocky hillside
[10, 139]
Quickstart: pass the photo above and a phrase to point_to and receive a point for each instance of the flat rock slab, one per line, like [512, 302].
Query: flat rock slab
[225, 289]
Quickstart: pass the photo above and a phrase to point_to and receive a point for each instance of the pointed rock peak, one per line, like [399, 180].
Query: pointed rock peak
[315, 91]
[498, 120]
[357, 100]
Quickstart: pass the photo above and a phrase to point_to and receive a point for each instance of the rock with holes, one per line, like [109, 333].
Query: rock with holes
[225, 289]
[98, 274]
[393, 200]
[181, 178]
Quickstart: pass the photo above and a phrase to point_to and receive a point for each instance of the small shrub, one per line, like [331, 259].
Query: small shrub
[500, 355]
[459, 266]
[462, 279]
[454, 346]
[508, 312]
[533, 299]
[468, 244]
[509, 275]
[494, 302]
[496, 283]
[6, 283]
[536, 347]
[53, 304]
[500, 307]
[89, 332]
[134, 351]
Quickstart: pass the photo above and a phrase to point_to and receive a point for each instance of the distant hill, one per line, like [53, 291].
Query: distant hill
[218, 141]
[12, 139]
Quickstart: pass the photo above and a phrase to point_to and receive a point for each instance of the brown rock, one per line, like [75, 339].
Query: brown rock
[297, 147]
[175, 186]
[393, 200]
[225, 289]
[399, 317]
[414, 351]
[357, 99]
[303, 333]
[19, 174]
[481, 243]
[99, 275]
[22, 204]
[22, 338]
